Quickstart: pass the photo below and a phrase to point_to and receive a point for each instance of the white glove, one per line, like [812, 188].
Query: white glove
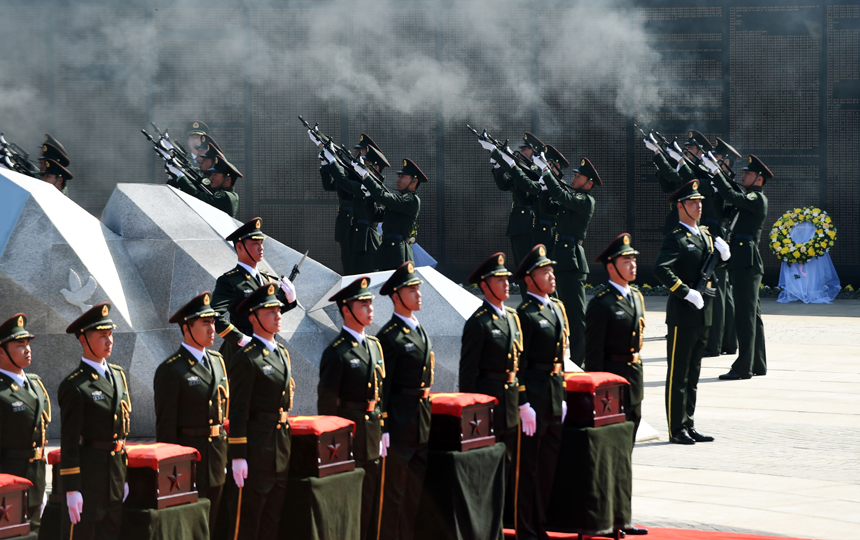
[695, 297]
[328, 154]
[528, 416]
[495, 163]
[710, 162]
[384, 443]
[172, 171]
[651, 146]
[723, 248]
[244, 341]
[487, 145]
[314, 138]
[75, 502]
[289, 289]
[362, 172]
[365, 191]
[508, 159]
[166, 144]
[542, 183]
[125, 492]
[673, 154]
[563, 410]
[538, 159]
[165, 155]
[240, 471]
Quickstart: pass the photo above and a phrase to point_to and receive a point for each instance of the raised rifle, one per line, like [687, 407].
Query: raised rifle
[169, 155]
[710, 264]
[14, 157]
[341, 153]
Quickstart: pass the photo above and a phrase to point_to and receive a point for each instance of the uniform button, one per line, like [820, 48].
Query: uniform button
[425, 368]
[210, 439]
[210, 402]
[555, 359]
[565, 245]
[279, 426]
[506, 386]
[112, 453]
[284, 393]
[368, 385]
[34, 445]
[509, 355]
[631, 349]
[114, 417]
[558, 344]
[741, 243]
[422, 386]
[114, 435]
[366, 417]
[210, 421]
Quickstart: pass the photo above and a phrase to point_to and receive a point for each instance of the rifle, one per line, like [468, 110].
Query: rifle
[297, 267]
[171, 145]
[341, 153]
[14, 157]
[169, 155]
[710, 264]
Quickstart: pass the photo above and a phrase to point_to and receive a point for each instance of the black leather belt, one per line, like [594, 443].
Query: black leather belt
[567, 238]
[418, 392]
[745, 237]
[115, 445]
[212, 431]
[398, 237]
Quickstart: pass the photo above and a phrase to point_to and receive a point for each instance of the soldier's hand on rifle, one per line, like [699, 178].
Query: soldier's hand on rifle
[240, 471]
[539, 160]
[314, 138]
[165, 144]
[651, 146]
[723, 248]
[365, 191]
[495, 163]
[359, 168]
[172, 171]
[710, 162]
[528, 417]
[384, 443]
[75, 502]
[695, 297]
[507, 159]
[542, 183]
[165, 155]
[487, 145]
[289, 289]
[328, 154]
[673, 154]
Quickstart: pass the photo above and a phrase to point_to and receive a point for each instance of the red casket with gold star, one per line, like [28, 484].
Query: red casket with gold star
[594, 399]
[461, 421]
[320, 446]
[161, 475]
[13, 506]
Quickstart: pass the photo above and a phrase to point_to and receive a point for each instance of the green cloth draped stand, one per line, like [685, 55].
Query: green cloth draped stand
[593, 480]
[323, 508]
[464, 495]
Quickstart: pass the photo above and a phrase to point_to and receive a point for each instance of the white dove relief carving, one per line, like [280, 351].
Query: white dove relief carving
[79, 292]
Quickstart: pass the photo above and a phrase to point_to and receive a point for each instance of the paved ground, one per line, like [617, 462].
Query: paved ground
[785, 460]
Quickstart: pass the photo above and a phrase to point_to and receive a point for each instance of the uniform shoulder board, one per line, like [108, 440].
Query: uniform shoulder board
[214, 353]
[527, 303]
[602, 290]
[338, 342]
[231, 272]
[510, 310]
[633, 287]
[173, 358]
[281, 345]
[556, 300]
[703, 227]
[249, 347]
[372, 338]
[32, 376]
[479, 312]
[116, 366]
[408, 196]
[74, 374]
[387, 329]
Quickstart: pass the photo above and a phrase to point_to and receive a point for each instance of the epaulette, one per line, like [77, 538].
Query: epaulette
[677, 230]
[480, 312]
[510, 309]
[408, 196]
[602, 292]
[249, 347]
[338, 342]
[633, 287]
[213, 353]
[527, 303]
[281, 345]
[116, 366]
[231, 272]
[173, 358]
[374, 338]
[388, 329]
[554, 299]
[703, 228]
[32, 376]
[74, 374]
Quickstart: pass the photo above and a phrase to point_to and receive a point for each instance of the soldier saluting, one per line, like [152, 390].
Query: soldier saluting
[351, 379]
[95, 407]
[25, 411]
[191, 398]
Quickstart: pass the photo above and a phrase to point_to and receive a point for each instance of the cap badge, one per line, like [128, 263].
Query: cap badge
[501, 260]
[410, 268]
[44, 148]
[542, 251]
[405, 163]
[363, 283]
[257, 225]
[203, 138]
[271, 289]
[216, 161]
[583, 163]
[20, 321]
[47, 164]
[750, 159]
[626, 240]
[362, 137]
[691, 134]
[105, 310]
[205, 299]
[695, 185]
[195, 125]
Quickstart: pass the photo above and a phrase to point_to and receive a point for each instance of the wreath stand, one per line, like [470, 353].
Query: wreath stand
[812, 282]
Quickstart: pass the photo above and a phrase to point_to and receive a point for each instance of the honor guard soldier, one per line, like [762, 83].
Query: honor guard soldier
[400, 221]
[574, 209]
[259, 442]
[234, 286]
[194, 137]
[206, 154]
[95, 408]
[409, 367]
[219, 192]
[52, 149]
[191, 398]
[746, 267]
[542, 392]
[688, 312]
[25, 412]
[362, 238]
[491, 345]
[351, 381]
[56, 175]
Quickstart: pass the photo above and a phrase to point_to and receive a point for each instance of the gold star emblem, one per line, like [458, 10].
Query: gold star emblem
[20, 321]
[501, 260]
[691, 134]
[259, 222]
[195, 125]
[695, 185]
[271, 289]
[626, 240]
[363, 283]
[362, 138]
[750, 159]
[105, 310]
[410, 268]
[205, 299]
[44, 149]
[542, 251]
[583, 163]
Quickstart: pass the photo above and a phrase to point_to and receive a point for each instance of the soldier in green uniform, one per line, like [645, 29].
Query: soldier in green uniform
[542, 393]
[259, 442]
[207, 151]
[56, 175]
[574, 209]
[409, 366]
[25, 411]
[52, 149]
[237, 284]
[400, 221]
[491, 346]
[191, 398]
[362, 238]
[746, 267]
[194, 137]
[688, 312]
[218, 192]
[352, 371]
[95, 407]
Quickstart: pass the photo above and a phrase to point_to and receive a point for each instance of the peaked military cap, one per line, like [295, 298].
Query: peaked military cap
[587, 170]
[757, 166]
[15, 328]
[196, 308]
[552, 153]
[530, 141]
[494, 266]
[365, 142]
[697, 139]
[357, 290]
[375, 156]
[688, 191]
[404, 276]
[263, 297]
[410, 168]
[97, 318]
[207, 140]
[197, 128]
[250, 230]
[617, 248]
[210, 150]
[52, 167]
[50, 140]
[725, 149]
[52, 149]
[221, 165]
[535, 259]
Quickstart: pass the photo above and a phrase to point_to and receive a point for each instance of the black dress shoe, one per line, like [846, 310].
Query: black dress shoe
[760, 374]
[682, 438]
[730, 352]
[635, 531]
[710, 354]
[732, 375]
[698, 437]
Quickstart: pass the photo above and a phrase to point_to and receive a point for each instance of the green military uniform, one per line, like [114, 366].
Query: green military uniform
[350, 386]
[491, 346]
[541, 377]
[94, 422]
[400, 221]
[54, 167]
[262, 395]
[25, 412]
[746, 270]
[198, 128]
[225, 200]
[678, 266]
[191, 401]
[574, 210]
[233, 287]
[409, 366]
[614, 324]
[343, 220]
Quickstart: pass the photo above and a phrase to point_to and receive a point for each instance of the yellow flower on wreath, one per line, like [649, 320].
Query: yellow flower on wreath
[811, 252]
